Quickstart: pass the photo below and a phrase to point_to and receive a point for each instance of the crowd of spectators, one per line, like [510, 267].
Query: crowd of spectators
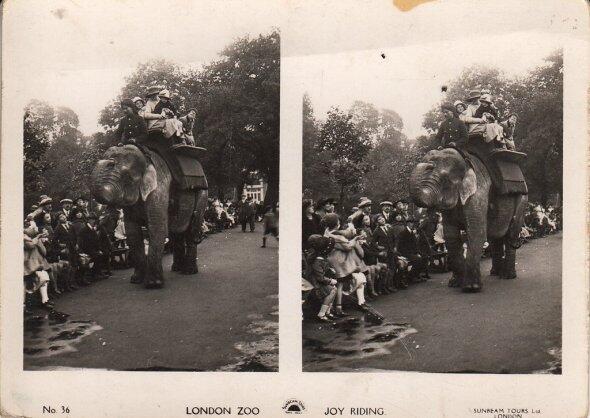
[367, 255]
[74, 246]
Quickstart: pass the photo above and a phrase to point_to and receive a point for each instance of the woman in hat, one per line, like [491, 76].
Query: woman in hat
[36, 267]
[346, 259]
[172, 126]
[489, 112]
[320, 274]
[475, 125]
[459, 106]
[154, 120]
[139, 103]
[310, 223]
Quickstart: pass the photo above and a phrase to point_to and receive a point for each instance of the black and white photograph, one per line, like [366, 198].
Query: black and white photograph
[432, 208]
[150, 187]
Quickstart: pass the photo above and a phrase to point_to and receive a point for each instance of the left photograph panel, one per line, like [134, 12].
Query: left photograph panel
[150, 189]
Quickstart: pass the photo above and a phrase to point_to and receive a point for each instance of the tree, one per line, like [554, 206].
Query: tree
[237, 101]
[345, 146]
[239, 106]
[537, 100]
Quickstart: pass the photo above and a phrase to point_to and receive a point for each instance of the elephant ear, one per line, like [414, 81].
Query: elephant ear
[149, 182]
[468, 185]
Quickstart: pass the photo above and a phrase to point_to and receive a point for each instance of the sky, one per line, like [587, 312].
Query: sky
[409, 79]
[78, 53]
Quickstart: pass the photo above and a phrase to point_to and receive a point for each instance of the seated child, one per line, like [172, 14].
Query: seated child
[320, 273]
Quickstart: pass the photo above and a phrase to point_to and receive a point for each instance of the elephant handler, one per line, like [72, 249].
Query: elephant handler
[132, 127]
[452, 131]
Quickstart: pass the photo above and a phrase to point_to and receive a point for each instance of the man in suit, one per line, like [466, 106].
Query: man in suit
[407, 247]
[64, 242]
[383, 239]
[246, 213]
[94, 242]
[66, 209]
[386, 207]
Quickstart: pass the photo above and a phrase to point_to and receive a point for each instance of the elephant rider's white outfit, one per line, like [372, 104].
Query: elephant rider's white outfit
[476, 127]
[158, 123]
[154, 121]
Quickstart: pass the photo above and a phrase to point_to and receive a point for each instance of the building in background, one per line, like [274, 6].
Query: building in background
[256, 191]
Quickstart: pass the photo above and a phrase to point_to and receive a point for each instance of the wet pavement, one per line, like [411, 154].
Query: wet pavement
[512, 326]
[223, 318]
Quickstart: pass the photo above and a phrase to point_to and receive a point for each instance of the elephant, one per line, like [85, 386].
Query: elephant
[462, 191]
[140, 182]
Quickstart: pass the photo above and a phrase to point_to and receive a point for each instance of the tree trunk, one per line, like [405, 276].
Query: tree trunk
[272, 192]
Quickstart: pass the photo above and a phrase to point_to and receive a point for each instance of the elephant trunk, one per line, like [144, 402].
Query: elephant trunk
[105, 184]
[425, 189]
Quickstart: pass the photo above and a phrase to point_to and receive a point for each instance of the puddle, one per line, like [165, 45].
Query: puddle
[54, 333]
[553, 366]
[261, 355]
[350, 339]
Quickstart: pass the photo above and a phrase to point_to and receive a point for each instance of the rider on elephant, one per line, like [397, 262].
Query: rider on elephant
[132, 127]
[452, 131]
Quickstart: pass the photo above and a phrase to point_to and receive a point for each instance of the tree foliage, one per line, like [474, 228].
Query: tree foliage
[537, 99]
[237, 102]
[363, 152]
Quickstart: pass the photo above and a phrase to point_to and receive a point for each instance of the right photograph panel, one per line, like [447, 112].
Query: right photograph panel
[432, 208]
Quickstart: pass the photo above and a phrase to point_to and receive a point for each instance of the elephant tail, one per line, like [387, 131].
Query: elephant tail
[517, 221]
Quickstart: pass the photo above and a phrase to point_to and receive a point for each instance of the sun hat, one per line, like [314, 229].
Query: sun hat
[164, 93]
[448, 106]
[486, 98]
[65, 201]
[386, 202]
[153, 90]
[457, 103]
[45, 201]
[473, 94]
[364, 202]
[138, 99]
[127, 103]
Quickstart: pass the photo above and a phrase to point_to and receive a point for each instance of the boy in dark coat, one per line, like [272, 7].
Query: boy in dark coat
[452, 131]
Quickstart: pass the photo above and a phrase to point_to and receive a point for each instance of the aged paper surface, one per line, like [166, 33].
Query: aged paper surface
[76, 54]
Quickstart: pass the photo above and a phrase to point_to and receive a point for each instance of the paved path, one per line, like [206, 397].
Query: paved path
[512, 326]
[225, 317]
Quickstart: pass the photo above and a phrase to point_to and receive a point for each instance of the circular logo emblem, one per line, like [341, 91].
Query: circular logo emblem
[293, 406]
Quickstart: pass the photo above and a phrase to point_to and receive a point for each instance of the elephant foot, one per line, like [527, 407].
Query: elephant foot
[154, 284]
[135, 279]
[174, 267]
[190, 271]
[494, 272]
[509, 276]
[471, 288]
[454, 282]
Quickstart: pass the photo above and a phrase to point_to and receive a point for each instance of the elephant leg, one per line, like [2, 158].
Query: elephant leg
[497, 252]
[456, 262]
[509, 267]
[192, 237]
[136, 249]
[475, 240]
[190, 261]
[158, 231]
[178, 251]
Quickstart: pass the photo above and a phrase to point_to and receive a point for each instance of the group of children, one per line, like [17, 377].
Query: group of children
[477, 117]
[155, 113]
[364, 255]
